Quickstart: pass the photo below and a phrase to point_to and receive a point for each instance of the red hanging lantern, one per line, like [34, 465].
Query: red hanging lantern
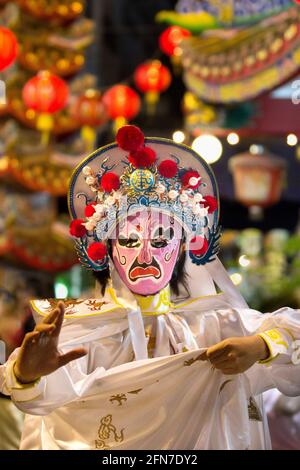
[90, 111]
[122, 104]
[171, 38]
[152, 78]
[8, 48]
[47, 94]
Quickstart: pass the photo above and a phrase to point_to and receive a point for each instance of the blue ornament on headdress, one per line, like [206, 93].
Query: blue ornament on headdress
[142, 180]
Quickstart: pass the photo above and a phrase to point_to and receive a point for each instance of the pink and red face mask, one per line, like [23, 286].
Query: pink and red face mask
[146, 249]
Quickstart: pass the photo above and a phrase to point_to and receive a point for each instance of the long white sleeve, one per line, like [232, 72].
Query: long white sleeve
[281, 331]
[48, 393]
[63, 386]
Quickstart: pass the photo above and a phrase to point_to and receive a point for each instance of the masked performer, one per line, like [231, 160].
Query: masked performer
[135, 368]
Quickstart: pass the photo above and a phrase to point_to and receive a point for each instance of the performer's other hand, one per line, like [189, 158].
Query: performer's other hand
[38, 354]
[236, 355]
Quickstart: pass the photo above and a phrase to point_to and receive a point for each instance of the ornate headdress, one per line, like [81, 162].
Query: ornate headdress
[137, 173]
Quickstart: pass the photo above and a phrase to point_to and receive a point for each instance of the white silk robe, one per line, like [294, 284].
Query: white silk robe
[142, 386]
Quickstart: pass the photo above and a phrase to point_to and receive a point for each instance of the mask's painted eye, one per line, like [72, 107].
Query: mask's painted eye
[159, 242]
[132, 241]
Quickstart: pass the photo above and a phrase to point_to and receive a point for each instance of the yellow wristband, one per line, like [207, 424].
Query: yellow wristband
[20, 385]
[276, 344]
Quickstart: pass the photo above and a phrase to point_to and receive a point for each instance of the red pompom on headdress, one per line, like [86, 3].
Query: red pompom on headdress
[77, 229]
[109, 182]
[185, 178]
[142, 158]
[199, 246]
[90, 210]
[130, 138]
[97, 251]
[168, 168]
[211, 203]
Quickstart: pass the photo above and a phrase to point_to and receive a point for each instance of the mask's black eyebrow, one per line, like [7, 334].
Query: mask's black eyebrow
[131, 235]
[158, 232]
[167, 233]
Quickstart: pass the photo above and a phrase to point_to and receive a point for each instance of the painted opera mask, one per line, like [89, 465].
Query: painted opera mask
[145, 250]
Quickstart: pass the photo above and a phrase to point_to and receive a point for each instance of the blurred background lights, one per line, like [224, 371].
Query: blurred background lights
[233, 138]
[208, 147]
[244, 261]
[256, 149]
[292, 140]
[61, 290]
[178, 137]
[236, 278]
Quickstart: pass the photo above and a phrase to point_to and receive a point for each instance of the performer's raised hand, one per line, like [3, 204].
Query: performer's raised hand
[38, 355]
[236, 355]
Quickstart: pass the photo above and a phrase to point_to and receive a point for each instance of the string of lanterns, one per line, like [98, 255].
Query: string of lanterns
[46, 93]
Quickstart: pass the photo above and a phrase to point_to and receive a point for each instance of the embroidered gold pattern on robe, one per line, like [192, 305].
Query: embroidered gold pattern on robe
[106, 432]
[120, 397]
[68, 303]
[92, 304]
[135, 392]
[253, 410]
[95, 305]
[151, 340]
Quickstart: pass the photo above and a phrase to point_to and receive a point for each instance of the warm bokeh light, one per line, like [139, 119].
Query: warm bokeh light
[209, 147]
[292, 140]
[236, 278]
[233, 138]
[244, 261]
[61, 290]
[256, 149]
[178, 137]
